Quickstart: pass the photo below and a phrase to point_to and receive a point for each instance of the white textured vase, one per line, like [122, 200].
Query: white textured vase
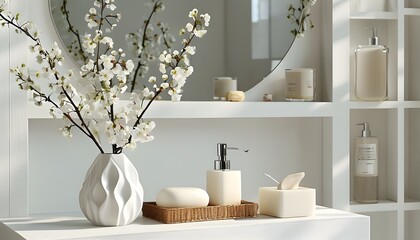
[111, 194]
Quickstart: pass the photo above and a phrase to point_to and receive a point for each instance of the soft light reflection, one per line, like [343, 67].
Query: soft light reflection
[260, 10]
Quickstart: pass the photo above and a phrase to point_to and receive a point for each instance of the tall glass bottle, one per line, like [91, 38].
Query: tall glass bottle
[366, 167]
[371, 70]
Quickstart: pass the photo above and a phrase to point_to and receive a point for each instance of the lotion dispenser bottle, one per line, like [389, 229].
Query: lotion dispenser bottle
[366, 167]
[371, 70]
[223, 184]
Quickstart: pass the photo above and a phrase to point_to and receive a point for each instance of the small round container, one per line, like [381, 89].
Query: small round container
[222, 86]
[300, 85]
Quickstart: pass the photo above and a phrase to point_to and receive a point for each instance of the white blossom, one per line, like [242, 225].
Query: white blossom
[147, 93]
[162, 68]
[200, 33]
[55, 53]
[88, 44]
[207, 17]
[152, 79]
[190, 50]
[112, 7]
[129, 65]
[105, 74]
[193, 13]
[88, 66]
[164, 85]
[107, 61]
[142, 132]
[175, 96]
[189, 27]
[108, 41]
[90, 18]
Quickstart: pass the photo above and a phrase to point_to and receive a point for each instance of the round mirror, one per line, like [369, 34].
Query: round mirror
[246, 39]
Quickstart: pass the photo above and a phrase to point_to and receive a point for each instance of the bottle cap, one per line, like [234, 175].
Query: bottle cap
[366, 130]
[222, 163]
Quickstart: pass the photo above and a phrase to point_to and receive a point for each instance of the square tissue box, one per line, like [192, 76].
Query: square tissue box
[287, 203]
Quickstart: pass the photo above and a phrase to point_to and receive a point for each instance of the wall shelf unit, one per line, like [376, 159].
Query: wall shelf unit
[396, 120]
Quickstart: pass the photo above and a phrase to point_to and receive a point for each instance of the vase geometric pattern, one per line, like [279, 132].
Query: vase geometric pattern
[111, 194]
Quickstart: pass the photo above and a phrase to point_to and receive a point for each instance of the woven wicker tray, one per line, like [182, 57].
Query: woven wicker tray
[182, 215]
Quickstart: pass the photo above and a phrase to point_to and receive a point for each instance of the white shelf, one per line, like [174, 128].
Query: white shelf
[374, 105]
[347, 226]
[381, 206]
[409, 206]
[374, 16]
[412, 11]
[168, 109]
[411, 104]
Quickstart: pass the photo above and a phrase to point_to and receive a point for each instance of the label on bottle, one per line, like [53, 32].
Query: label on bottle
[366, 160]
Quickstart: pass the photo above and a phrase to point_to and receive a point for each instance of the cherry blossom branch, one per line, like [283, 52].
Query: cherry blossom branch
[143, 44]
[103, 78]
[45, 53]
[74, 31]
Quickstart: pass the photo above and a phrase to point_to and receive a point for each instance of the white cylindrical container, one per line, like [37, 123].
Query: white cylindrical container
[223, 184]
[300, 85]
[223, 85]
[224, 187]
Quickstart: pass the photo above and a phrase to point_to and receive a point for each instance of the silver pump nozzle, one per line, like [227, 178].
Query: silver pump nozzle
[222, 163]
[374, 40]
[366, 130]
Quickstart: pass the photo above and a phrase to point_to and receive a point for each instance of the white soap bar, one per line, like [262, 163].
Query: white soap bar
[182, 197]
[287, 203]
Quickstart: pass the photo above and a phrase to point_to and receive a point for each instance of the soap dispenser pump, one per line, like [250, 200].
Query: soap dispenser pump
[223, 184]
[366, 166]
[371, 70]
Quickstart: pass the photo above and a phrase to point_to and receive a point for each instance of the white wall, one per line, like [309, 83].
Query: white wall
[13, 124]
[4, 123]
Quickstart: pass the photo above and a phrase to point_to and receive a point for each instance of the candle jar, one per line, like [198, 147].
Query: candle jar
[300, 85]
[222, 86]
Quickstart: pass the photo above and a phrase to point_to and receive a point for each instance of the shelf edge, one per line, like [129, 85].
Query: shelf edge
[197, 110]
[374, 16]
[382, 206]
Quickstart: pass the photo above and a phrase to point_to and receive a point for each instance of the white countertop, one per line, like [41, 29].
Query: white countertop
[326, 224]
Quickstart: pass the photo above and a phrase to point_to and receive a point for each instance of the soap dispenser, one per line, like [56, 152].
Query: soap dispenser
[366, 167]
[371, 70]
[223, 184]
